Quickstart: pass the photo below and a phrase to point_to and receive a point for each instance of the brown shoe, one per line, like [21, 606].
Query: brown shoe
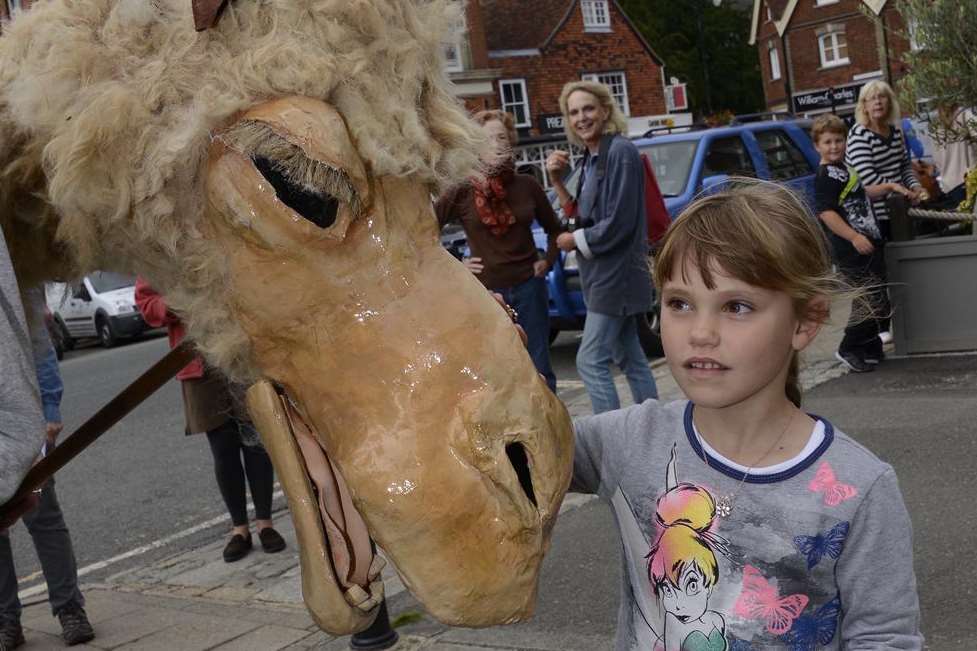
[75, 627]
[271, 540]
[237, 548]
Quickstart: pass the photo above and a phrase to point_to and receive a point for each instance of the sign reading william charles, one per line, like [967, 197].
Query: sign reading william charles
[827, 98]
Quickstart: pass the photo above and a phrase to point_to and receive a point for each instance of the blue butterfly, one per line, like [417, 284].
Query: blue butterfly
[815, 547]
[810, 632]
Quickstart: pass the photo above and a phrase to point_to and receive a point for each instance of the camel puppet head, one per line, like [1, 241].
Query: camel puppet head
[272, 177]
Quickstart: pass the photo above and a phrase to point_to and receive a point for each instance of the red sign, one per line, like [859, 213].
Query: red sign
[675, 97]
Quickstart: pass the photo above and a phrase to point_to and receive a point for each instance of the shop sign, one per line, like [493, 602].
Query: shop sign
[826, 99]
[550, 122]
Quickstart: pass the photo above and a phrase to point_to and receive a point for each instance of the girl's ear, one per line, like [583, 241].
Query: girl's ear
[814, 315]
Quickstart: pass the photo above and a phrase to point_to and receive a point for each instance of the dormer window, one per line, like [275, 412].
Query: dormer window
[596, 15]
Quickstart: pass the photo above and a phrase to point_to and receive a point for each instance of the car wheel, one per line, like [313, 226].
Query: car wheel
[67, 342]
[554, 333]
[649, 335]
[105, 335]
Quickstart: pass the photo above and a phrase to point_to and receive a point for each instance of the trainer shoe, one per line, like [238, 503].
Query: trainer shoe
[75, 627]
[854, 363]
[11, 634]
[886, 337]
[271, 540]
[237, 548]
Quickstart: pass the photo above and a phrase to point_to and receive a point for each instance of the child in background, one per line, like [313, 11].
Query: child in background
[856, 242]
[747, 523]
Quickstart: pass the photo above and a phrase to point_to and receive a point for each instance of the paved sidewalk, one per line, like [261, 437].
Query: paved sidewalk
[195, 601]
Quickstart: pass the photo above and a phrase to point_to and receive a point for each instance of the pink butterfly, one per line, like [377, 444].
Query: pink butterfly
[760, 599]
[834, 491]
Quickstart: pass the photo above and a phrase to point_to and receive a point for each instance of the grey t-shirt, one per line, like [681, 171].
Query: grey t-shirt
[818, 555]
[21, 420]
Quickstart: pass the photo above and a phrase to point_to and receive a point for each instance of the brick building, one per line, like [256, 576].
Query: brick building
[815, 55]
[516, 55]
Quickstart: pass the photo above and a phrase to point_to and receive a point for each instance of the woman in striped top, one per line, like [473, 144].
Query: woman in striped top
[876, 150]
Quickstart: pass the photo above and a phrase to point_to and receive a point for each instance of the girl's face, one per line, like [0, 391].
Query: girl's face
[587, 117]
[877, 106]
[731, 344]
[689, 600]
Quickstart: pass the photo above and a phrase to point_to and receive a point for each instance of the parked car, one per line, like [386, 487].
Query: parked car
[55, 333]
[101, 304]
[687, 163]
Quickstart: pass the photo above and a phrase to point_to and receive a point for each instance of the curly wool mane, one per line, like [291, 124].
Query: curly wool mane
[107, 109]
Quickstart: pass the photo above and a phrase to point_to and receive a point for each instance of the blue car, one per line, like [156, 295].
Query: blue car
[685, 164]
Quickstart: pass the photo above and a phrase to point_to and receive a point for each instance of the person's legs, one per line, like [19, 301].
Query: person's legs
[594, 358]
[52, 541]
[225, 444]
[261, 478]
[530, 301]
[861, 339]
[633, 361]
[54, 550]
[11, 634]
[879, 298]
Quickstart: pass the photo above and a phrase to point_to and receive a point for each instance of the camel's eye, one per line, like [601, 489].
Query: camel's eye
[320, 208]
[317, 191]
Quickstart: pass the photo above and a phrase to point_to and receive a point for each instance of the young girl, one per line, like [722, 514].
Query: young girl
[783, 532]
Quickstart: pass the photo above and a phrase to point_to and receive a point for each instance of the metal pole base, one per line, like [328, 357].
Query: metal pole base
[380, 635]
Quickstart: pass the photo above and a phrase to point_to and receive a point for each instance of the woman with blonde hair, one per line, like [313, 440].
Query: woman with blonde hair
[876, 149]
[612, 238]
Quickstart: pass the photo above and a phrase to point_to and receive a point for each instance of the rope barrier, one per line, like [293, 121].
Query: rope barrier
[941, 215]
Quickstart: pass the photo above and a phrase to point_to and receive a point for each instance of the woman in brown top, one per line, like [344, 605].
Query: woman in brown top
[497, 214]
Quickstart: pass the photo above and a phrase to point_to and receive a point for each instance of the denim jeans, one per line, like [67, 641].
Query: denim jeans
[531, 301]
[609, 339]
[52, 543]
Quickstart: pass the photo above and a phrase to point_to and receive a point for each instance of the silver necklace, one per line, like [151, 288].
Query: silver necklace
[725, 503]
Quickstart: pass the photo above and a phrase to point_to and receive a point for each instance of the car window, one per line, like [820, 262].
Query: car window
[728, 156]
[106, 281]
[784, 159]
[671, 162]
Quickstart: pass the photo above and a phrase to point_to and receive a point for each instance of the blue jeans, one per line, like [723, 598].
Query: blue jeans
[609, 339]
[531, 301]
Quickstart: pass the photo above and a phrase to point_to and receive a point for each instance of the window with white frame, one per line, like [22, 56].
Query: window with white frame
[618, 85]
[515, 100]
[774, 63]
[452, 48]
[596, 14]
[833, 47]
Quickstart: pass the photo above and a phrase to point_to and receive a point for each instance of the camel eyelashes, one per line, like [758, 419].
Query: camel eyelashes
[309, 187]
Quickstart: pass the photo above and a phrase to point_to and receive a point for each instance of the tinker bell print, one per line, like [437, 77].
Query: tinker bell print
[683, 569]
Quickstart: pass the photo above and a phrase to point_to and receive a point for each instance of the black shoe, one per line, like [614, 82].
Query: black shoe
[237, 548]
[11, 634]
[854, 363]
[271, 540]
[75, 627]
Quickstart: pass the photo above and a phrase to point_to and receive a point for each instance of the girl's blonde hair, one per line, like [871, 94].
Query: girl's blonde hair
[870, 90]
[762, 234]
[616, 122]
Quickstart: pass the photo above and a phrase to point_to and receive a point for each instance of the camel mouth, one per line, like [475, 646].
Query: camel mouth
[341, 571]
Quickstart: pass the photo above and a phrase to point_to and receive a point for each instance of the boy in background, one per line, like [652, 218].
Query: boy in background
[842, 205]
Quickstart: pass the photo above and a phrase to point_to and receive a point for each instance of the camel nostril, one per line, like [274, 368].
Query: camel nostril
[520, 462]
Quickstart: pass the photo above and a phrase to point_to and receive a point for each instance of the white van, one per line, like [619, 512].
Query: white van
[102, 304]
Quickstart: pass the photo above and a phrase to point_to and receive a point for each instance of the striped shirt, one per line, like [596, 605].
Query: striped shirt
[879, 160]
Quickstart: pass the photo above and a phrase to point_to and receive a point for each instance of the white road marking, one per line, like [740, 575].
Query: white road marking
[138, 551]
